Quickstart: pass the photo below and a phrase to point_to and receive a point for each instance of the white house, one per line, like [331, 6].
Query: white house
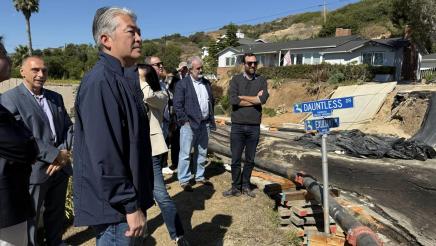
[333, 50]
[428, 65]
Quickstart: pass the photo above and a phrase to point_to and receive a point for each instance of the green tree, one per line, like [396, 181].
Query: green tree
[231, 40]
[27, 7]
[20, 53]
[420, 15]
[170, 56]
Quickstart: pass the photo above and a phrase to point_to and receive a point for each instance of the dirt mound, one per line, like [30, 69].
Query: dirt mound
[401, 114]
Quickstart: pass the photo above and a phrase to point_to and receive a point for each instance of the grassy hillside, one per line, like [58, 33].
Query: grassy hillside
[369, 18]
[361, 18]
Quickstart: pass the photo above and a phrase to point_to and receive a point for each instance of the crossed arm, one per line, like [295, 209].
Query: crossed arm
[250, 100]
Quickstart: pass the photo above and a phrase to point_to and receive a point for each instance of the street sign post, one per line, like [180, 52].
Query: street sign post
[323, 108]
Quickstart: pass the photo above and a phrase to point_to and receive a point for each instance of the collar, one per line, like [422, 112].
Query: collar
[40, 97]
[196, 81]
[248, 77]
[113, 63]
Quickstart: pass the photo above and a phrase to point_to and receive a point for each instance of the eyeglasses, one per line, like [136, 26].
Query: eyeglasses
[251, 63]
[158, 64]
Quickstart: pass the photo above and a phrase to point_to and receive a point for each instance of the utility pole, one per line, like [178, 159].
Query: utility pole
[325, 12]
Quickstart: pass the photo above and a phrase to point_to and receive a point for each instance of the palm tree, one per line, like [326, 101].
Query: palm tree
[21, 52]
[27, 7]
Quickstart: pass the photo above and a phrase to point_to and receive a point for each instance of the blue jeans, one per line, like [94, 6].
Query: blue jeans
[243, 137]
[197, 138]
[163, 199]
[113, 234]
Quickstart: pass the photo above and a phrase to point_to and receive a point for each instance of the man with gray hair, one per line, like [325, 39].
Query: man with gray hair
[113, 175]
[193, 104]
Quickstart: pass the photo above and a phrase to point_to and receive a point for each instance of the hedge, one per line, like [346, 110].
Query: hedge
[323, 72]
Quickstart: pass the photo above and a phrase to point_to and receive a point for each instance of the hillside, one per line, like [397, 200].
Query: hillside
[368, 18]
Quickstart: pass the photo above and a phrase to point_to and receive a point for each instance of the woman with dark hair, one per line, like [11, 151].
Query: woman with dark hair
[156, 100]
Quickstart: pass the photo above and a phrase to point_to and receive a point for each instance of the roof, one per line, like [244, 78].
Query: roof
[319, 43]
[347, 47]
[429, 57]
[353, 45]
[243, 41]
[394, 42]
[235, 50]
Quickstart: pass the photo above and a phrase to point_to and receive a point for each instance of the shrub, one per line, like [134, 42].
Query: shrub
[336, 78]
[270, 112]
[323, 72]
[223, 106]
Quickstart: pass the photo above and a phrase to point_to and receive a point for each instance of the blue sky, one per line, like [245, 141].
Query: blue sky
[64, 21]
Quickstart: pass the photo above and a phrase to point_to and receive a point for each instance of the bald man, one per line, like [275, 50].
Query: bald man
[44, 113]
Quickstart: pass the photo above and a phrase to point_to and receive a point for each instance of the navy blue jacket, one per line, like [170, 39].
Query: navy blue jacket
[113, 173]
[18, 150]
[186, 104]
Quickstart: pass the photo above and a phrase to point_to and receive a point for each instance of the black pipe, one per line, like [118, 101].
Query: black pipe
[357, 233]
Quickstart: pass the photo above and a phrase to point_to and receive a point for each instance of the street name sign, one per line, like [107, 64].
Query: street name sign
[321, 125]
[324, 107]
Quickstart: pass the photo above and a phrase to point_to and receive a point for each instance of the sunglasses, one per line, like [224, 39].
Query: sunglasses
[157, 64]
[251, 63]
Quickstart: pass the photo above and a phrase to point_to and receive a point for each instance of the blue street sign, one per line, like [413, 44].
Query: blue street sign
[321, 125]
[322, 106]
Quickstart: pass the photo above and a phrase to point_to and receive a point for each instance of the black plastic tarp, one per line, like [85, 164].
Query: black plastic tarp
[358, 144]
[427, 133]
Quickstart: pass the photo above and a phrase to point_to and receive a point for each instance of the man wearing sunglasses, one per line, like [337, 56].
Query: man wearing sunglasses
[247, 93]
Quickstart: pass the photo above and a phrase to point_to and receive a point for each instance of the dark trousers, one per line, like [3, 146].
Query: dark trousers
[52, 195]
[243, 137]
[175, 147]
[163, 199]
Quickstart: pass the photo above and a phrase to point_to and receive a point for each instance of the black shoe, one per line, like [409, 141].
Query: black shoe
[248, 192]
[232, 192]
[204, 182]
[181, 241]
[187, 187]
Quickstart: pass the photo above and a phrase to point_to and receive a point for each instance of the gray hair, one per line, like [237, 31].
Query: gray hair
[106, 23]
[192, 59]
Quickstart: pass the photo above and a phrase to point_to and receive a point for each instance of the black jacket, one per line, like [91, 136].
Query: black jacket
[113, 172]
[18, 150]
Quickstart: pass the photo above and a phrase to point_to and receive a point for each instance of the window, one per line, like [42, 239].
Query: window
[316, 58]
[230, 61]
[299, 59]
[373, 58]
[261, 59]
[367, 58]
[378, 59]
[307, 58]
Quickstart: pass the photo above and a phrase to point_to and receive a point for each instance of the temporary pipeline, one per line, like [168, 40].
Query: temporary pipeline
[357, 234]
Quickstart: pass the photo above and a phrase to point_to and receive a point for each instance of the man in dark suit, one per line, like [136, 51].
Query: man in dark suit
[193, 104]
[43, 112]
[18, 150]
[113, 175]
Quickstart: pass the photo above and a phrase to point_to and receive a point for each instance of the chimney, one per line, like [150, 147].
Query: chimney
[342, 32]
